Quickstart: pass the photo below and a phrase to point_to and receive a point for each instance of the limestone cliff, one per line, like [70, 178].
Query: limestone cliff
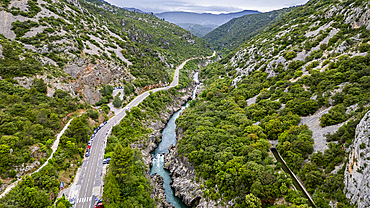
[357, 173]
[157, 125]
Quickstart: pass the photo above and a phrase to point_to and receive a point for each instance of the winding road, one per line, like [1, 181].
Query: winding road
[90, 177]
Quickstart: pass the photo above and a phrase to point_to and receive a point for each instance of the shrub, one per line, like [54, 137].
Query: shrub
[290, 55]
[364, 47]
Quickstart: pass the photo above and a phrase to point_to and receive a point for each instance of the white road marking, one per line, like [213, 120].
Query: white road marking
[102, 139]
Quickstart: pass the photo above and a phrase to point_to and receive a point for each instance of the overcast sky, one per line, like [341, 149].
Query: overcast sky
[203, 6]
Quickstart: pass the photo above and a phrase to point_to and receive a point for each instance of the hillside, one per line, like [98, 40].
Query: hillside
[198, 30]
[301, 86]
[60, 60]
[141, 47]
[205, 19]
[231, 35]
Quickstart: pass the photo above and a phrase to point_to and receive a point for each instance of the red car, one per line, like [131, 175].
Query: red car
[99, 205]
[88, 147]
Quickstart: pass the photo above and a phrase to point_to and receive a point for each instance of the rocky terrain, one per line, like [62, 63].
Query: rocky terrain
[155, 138]
[357, 173]
[81, 49]
[183, 177]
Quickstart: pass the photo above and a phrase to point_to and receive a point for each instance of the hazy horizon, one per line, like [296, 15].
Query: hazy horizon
[207, 6]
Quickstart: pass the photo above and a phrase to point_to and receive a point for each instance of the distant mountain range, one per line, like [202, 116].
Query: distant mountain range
[237, 31]
[205, 19]
[134, 10]
[199, 24]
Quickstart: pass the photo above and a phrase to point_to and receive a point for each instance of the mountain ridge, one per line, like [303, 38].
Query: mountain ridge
[202, 18]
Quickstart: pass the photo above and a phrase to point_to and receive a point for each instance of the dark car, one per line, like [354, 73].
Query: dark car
[87, 150]
[87, 154]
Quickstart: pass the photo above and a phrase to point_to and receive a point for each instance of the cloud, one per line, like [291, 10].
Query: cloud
[207, 6]
[161, 6]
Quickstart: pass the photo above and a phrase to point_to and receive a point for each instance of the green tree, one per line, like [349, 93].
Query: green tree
[92, 114]
[117, 102]
[4, 155]
[122, 163]
[252, 201]
[364, 47]
[112, 191]
[40, 85]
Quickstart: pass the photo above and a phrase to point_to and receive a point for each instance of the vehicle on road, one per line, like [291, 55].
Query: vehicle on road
[99, 204]
[88, 146]
[87, 154]
[106, 161]
[72, 201]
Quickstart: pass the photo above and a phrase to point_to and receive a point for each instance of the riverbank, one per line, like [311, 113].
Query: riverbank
[155, 137]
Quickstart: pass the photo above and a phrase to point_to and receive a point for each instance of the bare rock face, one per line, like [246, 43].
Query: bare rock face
[158, 191]
[183, 180]
[91, 95]
[357, 173]
[88, 76]
[1, 52]
[76, 4]
[6, 20]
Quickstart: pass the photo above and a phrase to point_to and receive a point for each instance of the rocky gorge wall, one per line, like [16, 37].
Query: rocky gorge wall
[157, 125]
[357, 173]
[183, 181]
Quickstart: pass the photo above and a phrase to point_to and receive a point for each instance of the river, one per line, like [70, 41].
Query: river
[168, 138]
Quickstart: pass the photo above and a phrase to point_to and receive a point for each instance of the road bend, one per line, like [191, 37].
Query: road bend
[90, 177]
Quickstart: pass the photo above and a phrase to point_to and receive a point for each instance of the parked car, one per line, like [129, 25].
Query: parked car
[105, 122]
[89, 143]
[72, 201]
[87, 150]
[99, 204]
[88, 146]
[106, 161]
[87, 154]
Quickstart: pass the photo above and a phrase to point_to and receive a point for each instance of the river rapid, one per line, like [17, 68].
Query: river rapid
[168, 138]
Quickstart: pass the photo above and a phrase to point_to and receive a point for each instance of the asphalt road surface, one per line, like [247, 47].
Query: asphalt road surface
[92, 166]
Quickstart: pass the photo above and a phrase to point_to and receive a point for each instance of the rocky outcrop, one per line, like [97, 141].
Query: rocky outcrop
[318, 132]
[357, 173]
[183, 181]
[183, 178]
[158, 191]
[76, 4]
[154, 139]
[1, 52]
